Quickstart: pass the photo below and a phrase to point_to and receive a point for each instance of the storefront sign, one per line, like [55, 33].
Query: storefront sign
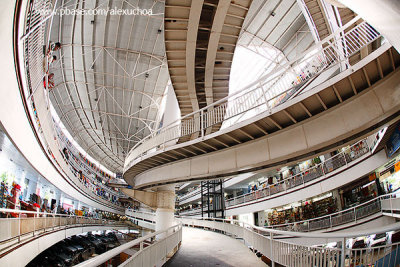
[397, 166]
[372, 177]
[394, 141]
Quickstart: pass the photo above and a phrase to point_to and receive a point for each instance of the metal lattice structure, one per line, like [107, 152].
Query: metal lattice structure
[110, 75]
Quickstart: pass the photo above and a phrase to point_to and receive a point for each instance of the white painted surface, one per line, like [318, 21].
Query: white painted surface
[384, 15]
[353, 116]
[164, 218]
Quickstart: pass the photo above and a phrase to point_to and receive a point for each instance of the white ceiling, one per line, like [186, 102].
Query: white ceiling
[111, 76]
[111, 72]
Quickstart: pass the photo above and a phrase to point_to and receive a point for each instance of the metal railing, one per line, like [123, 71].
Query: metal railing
[22, 225]
[191, 212]
[148, 216]
[289, 254]
[189, 194]
[269, 91]
[152, 249]
[349, 215]
[341, 159]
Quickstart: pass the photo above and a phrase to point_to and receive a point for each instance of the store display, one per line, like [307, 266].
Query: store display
[3, 195]
[306, 211]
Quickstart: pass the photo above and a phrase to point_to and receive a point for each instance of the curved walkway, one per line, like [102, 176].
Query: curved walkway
[206, 248]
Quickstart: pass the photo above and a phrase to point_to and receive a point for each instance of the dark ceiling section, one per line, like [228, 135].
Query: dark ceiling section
[203, 36]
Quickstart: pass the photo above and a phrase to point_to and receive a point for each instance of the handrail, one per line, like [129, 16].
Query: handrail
[17, 228]
[267, 231]
[197, 190]
[319, 170]
[332, 215]
[292, 254]
[98, 260]
[266, 93]
[142, 215]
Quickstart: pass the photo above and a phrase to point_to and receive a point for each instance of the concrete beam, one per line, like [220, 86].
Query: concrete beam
[354, 118]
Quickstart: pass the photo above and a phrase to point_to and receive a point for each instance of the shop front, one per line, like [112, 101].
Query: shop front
[359, 191]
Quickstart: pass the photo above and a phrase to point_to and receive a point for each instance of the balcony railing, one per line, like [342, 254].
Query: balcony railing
[350, 215]
[21, 225]
[329, 165]
[269, 91]
[289, 254]
[151, 250]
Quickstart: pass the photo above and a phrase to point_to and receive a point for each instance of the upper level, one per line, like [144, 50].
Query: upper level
[31, 127]
[266, 126]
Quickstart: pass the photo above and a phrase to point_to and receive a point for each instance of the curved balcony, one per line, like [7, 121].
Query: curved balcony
[31, 32]
[326, 167]
[291, 114]
[38, 231]
[386, 204]
[267, 242]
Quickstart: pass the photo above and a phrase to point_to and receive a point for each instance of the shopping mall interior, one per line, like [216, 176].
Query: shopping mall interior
[200, 133]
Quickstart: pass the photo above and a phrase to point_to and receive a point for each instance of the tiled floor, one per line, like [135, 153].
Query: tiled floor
[202, 248]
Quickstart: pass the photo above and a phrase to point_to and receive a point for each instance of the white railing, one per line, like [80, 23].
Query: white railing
[389, 202]
[289, 254]
[189, 194]
[142, 215]
[329, 165]
[270, 90]
[160, 245]
[195, 211]
[22, 225]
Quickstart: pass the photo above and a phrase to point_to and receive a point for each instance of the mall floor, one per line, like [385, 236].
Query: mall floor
[206, 248]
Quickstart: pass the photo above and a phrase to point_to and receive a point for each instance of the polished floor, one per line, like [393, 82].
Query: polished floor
[202, 248]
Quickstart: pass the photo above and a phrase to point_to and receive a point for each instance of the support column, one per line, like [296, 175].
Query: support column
[165, 207]
[162, 200]
[384, 15]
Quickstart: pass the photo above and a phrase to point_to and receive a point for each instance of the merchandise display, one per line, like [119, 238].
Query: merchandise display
[307, 210]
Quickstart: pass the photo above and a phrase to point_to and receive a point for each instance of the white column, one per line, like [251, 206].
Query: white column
[384, 15]
[165, 207]
[164, 218]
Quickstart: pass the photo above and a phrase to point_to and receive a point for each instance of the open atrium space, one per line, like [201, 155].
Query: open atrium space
[196, 133]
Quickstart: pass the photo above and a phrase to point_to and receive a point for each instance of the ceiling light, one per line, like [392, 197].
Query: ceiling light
[273, 13]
